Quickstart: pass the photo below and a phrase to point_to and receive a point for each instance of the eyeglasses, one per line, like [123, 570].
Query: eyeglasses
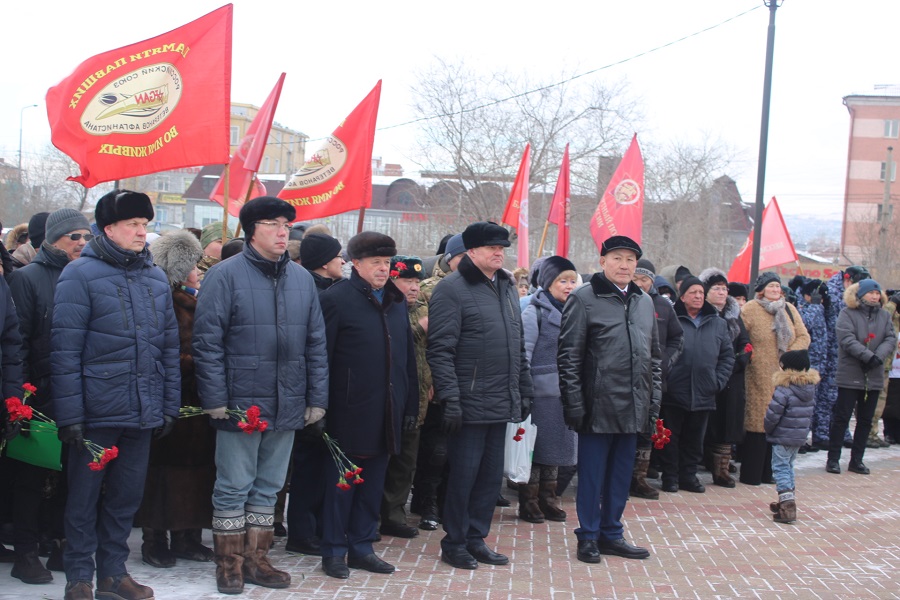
[77, 236]
[272, 224]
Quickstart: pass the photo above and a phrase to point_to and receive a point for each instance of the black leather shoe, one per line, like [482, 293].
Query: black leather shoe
[858, 467]
[309, 546]
[588, 552]
[334, 566]
[459, 558]
[370, 563]
[833, 466]
[669, 486]
[429, 523]
[400, 530]
[621, 548]
[692, 485]
[503, 502]
[485, 555]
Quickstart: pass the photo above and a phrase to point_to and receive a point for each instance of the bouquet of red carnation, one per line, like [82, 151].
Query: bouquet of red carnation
[519, 433]
[662, 436]
[748, 348]
[247, 420]
[348, 471]
[101, 455]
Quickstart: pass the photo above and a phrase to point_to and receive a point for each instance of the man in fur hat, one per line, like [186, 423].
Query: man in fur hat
[115, 379]
[481, 376]
[259, 340]
[373, 395]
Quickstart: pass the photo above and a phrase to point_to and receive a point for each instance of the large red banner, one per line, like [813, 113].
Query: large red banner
[245, 162]
[152, 106]
[338, 177]
[559, 207]
[621, 209]
[776, 246]
[516, 212]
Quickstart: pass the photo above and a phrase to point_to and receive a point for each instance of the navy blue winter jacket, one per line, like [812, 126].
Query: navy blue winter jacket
[791, 409]
[114, 341]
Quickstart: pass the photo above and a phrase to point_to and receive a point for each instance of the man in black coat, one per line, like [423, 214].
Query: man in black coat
[373, 393]
[476, 352]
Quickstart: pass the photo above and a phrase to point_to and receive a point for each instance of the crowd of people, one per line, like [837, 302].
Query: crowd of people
[277, 385]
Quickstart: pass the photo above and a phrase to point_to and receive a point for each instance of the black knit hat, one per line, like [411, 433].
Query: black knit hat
[795, 360]
[620, 242]
[36, 228]
[119, 205]
[261, 209]
[370, 243]
[681, 273]
[765, 279]
[645, 268]
[687, 283]
[551, 268]
[317, 249]
[485, 233]
[406, 267]
[738, 290]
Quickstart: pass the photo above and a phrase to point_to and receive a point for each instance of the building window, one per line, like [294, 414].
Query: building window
[277, 165]
[893, 171]
[891, 128]
[235, 135]
[266, 165]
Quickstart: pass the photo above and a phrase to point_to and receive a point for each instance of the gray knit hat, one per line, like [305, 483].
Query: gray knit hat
[63, 221]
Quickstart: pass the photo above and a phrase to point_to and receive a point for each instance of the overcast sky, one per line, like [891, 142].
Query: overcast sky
[333, 53]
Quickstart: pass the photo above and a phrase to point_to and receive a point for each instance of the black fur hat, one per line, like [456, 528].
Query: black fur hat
[485, 233]
[119, 205]
[795, 360]
[261, 209]
[370, 243]
[177, 253]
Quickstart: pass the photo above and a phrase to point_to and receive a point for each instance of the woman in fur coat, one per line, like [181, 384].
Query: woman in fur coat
[182, 471]
[774, 327]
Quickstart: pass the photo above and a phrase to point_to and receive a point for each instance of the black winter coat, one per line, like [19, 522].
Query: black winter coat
[373, 382]
[609, 358]
[476, 345]
[671, 335]
[32, 288]
[705, 364]
[726, 425]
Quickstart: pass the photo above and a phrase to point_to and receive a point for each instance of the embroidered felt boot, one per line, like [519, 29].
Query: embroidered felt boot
[260, 535]
[787, 508]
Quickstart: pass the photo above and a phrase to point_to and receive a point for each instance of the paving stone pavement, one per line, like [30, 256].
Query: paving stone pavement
[721, 544]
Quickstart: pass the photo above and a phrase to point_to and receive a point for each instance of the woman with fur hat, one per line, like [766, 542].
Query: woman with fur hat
[866, 339]
[775, 327]
[182, 468]
[726, 424]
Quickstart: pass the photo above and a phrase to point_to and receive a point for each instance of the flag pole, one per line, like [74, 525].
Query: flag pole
[362, 215]
[227, 193]
[543, 239]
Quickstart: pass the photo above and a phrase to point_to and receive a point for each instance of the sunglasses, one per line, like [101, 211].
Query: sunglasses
[77, 236]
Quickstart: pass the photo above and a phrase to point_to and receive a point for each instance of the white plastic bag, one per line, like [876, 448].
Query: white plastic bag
[517, 454]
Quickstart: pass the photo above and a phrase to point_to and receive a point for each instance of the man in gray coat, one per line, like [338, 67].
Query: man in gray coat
[610, 381]
[259, 340]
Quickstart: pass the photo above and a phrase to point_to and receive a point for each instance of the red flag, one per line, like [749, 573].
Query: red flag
[621, 209]
[245, 162]
[777, 247]
[152, 106]
[559, 208]
[516, 213]
[338, 177]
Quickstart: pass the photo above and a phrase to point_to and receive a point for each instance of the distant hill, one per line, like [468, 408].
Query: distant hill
[819, 228]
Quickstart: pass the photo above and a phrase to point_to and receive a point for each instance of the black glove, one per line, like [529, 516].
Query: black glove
[313, 431]
[12, 429]
[873, 363]
[167, 427]
[826, 299]
[452, 419]
[72, 434]
[526, 408]
[410, 423]
[574, 420]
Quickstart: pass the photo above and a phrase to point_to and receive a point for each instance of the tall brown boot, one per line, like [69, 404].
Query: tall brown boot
[548, 502]
[257, 568]
[639, 485]
[529, 510]
[228, 547]
[721, 461]
[787, 508]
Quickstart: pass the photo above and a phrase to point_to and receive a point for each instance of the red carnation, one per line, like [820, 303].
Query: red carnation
[357, 470]
[29, 388]
[870, 337]
[343, 485]
[261, 426]
[520, 431]
[401, 266]
[246, 427]
[517, 438]
[395, 273]
[95, 466]
[349, 475]
[748, 348]
[357, 481]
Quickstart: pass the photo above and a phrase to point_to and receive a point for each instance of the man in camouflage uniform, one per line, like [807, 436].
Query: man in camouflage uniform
[432, 456]
[406, 272]
[812, 299]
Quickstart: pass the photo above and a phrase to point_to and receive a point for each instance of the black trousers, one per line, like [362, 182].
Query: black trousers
[756, 459]
[431, 458]
[864, 401]
[684, 452]
[304, 511]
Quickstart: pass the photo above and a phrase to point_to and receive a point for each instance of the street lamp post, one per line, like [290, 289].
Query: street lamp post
[21, 114]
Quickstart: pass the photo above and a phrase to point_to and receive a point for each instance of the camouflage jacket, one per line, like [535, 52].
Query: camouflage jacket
[417, 312]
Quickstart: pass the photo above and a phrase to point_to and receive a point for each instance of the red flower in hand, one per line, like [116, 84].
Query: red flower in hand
[95, 466]
[29, 388]
[261, 426]
[246, 427]
[343, 485]
[358, 481]
[870, 337]
[748, 348]
[357, 470]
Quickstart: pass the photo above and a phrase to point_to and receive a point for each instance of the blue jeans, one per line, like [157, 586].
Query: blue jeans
[250, 468]
[783, 466]
[605, 465]
[102, 527]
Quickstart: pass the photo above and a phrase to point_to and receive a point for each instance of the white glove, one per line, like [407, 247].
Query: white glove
[217, 413]
[313, 414]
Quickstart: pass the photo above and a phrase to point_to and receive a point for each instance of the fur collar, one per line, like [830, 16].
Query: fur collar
[788, 378]
[705, 311]
[852, 301]
[473, 274]
[603, 286]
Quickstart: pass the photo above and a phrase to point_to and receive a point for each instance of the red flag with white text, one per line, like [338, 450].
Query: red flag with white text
[245, 162]
[776, 246]
[338, 177]
[156, 105]
[621, 209]
[559, 208]
[516, 212]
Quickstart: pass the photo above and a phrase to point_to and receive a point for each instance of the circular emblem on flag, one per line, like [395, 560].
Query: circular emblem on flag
[627, 192]
[135, 103]
[321, 166]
